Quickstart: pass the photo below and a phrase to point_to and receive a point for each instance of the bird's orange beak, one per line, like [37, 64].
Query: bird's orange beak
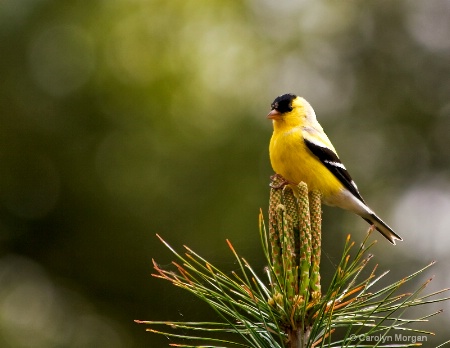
[274, 115]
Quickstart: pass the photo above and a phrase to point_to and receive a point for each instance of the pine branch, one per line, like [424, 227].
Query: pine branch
[289, 310]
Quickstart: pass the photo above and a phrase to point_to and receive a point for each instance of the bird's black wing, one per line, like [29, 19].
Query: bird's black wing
[330, 160]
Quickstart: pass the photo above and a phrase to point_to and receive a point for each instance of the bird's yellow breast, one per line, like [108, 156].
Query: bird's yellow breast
[291, 158]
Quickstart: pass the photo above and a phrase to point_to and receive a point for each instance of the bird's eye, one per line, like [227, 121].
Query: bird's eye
[284, 106]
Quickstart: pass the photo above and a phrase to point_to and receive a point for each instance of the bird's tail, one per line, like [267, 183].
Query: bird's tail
[382, 227]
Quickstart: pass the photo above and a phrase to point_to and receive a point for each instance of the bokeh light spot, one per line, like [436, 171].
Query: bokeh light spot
[429, 23]
[423, 212]
[61, 59]
[34, 309]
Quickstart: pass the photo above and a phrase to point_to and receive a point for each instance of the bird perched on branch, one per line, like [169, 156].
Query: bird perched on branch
[301, 151]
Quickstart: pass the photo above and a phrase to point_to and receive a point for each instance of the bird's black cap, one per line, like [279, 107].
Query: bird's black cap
[283, 103]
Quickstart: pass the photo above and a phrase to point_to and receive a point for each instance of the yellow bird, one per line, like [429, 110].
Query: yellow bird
[301, 151]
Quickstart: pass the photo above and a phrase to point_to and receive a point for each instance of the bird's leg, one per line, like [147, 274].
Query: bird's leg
[279, 182]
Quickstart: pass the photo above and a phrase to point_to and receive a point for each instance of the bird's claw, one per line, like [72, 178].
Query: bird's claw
[278, 182]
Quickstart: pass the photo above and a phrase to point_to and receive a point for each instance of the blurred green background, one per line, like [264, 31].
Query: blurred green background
[120, 119]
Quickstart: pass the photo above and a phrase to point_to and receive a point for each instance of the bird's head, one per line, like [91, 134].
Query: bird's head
[291, 111]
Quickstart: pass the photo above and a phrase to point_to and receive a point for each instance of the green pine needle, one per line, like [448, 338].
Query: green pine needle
[288, 309]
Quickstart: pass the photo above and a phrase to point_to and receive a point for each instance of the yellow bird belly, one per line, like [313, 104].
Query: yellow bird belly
[292, 159]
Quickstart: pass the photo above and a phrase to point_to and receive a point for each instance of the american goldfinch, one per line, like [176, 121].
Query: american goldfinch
[301, 151]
